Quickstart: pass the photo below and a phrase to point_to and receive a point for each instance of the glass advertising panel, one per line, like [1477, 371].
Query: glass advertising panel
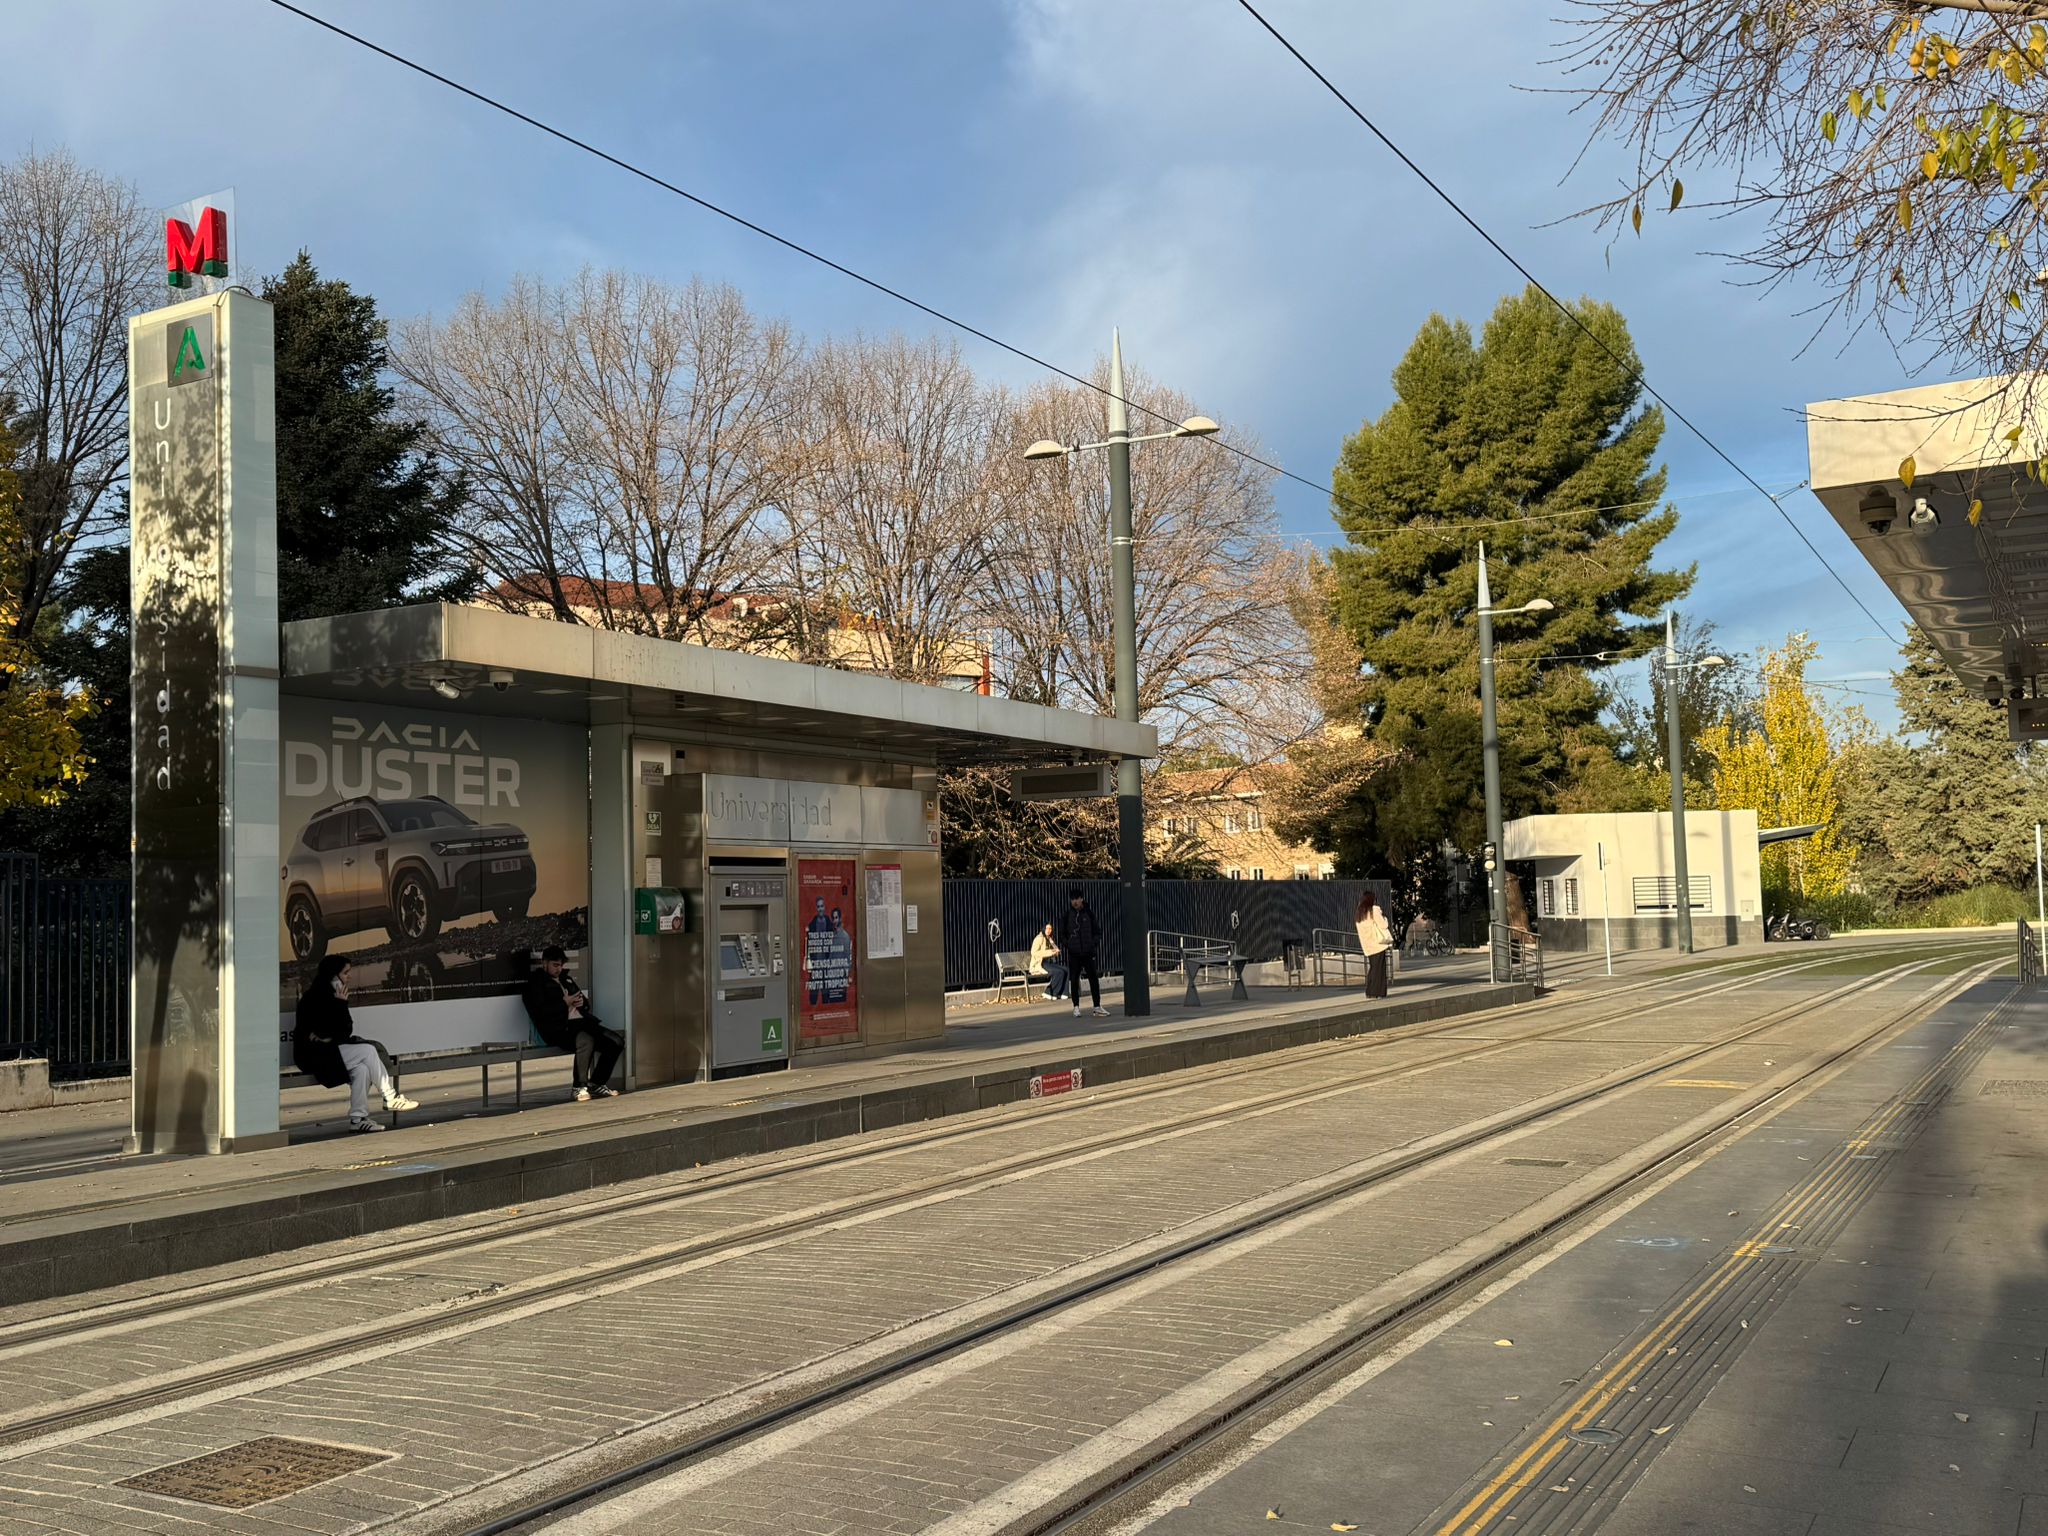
[828, 1003]
[439, 851]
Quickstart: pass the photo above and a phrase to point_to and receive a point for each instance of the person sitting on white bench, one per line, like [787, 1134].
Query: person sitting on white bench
[563, 1017]
[1046, 962]
[326, 1047]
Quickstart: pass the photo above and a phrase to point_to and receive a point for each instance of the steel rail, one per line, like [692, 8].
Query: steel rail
[75, 1324]
[569, 1286]
[1503, 1127]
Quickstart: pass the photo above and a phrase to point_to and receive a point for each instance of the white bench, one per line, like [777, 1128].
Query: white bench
[490, 1054]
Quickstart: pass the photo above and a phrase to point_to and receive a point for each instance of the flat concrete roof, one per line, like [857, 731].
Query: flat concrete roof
[1980, 593]
[575, 673]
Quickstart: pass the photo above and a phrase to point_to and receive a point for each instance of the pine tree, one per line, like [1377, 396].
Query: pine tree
[1955, 807]
[1533, 440]
[361, 507]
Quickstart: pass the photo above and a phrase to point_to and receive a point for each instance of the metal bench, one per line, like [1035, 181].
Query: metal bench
[1013, 965]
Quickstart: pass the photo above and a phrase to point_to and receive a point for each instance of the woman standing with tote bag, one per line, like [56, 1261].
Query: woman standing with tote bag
[1376, 938]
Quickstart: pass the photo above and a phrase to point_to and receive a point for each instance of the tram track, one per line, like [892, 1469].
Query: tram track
[23, 1434]
[1341, 1354]
[74, 1323]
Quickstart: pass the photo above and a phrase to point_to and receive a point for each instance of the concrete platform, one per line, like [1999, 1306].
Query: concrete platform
[73, 1217]
[1837, 1322]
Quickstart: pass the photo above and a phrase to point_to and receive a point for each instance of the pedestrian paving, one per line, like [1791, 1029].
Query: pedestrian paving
[1882, 1373]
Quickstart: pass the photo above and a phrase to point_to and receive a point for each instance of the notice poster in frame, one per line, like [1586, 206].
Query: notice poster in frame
[828, 993]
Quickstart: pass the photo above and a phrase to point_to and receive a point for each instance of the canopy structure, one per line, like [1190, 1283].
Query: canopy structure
[485, 661]
[1978, 591]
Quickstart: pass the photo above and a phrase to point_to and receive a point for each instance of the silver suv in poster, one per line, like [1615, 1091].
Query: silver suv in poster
[405, 866]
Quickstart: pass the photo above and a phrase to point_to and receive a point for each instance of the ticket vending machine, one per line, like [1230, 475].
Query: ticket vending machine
[749, 962]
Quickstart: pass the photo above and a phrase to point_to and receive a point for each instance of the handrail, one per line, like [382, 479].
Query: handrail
[1338, 948]
[1517, 954]
[1177, 949]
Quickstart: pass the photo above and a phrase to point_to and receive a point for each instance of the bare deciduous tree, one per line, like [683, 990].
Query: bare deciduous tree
[894, 520]
[1218, 641]
[489, 386]
[625, 440]
[679, 402]
[1895, 151]
[77, 262]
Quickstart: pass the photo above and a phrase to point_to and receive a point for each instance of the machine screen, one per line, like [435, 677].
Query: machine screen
[729, 956]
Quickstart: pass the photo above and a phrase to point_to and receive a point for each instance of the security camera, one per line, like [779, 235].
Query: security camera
[1923, 517]
[1994, 692]
[1877, 509]
[501, 681]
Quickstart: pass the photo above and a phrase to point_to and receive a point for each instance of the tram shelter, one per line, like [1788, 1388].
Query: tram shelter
[1936, 487]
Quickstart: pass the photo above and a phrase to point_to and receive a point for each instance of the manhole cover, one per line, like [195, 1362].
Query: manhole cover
[1536, 1162]
[2014, 1088]
[254, 1472]
[1592, 1434]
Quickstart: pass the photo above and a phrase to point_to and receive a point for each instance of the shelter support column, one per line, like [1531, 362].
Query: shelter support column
[612, 879]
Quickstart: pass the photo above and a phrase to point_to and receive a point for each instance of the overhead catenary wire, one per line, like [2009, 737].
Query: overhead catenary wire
[1634, 368]
[797, 247]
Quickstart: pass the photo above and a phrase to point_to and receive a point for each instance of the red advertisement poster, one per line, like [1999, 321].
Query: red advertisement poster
[828, 997]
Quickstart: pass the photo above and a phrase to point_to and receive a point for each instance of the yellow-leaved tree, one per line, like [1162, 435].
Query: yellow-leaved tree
[39, 747]
[1784, 763]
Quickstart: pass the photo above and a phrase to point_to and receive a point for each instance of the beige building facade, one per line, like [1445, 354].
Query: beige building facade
[1227, 810]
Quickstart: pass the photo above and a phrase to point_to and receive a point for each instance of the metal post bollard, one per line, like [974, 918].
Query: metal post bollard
[1194, 998]
[1237, 991]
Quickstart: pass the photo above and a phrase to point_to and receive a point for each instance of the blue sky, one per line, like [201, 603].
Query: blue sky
[1043, 168]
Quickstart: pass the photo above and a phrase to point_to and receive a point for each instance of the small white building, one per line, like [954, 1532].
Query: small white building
[1583, 869]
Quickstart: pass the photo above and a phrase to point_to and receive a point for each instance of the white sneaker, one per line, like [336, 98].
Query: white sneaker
[399, 1101]
[363, 1123]
[582, 1095]
[1102, 1013]
[604, 1091]
[1077, 1010]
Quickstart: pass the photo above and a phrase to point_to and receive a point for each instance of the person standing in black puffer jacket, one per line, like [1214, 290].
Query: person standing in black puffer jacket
[1080, 938]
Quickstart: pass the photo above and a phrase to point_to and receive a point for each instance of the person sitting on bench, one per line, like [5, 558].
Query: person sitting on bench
[562, 1016]
[326, 1048]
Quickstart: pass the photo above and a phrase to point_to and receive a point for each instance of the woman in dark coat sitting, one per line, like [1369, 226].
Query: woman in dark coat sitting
[325, 1046]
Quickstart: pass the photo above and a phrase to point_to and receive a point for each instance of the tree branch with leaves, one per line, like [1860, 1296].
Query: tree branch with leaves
[1896, 153]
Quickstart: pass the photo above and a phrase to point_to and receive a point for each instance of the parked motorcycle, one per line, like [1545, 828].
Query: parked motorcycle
[1785, 927]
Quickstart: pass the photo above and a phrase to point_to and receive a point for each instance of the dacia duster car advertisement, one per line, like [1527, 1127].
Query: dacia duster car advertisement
[436, 849]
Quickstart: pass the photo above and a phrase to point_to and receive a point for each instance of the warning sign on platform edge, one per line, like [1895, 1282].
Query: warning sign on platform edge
[1048, 1084]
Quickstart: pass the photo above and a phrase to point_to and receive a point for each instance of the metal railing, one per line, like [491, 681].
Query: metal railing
[1169, 954]
[2030, 953]
[63, 969]
[1517, 955]
[1338, 949]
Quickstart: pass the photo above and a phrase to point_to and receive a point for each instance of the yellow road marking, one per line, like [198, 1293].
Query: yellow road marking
[1501, 1489]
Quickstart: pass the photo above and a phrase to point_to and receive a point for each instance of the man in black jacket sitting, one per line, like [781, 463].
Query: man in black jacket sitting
[562, 1017]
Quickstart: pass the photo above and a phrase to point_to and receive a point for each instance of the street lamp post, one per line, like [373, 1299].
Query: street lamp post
[1130, 804]
[1675, 747]
[1489, 738]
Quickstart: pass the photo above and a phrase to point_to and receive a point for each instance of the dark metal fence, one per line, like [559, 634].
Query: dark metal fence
[1270, 912]
[63, 969]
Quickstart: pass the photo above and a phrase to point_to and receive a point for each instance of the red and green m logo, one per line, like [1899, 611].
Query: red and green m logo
[202, 250]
